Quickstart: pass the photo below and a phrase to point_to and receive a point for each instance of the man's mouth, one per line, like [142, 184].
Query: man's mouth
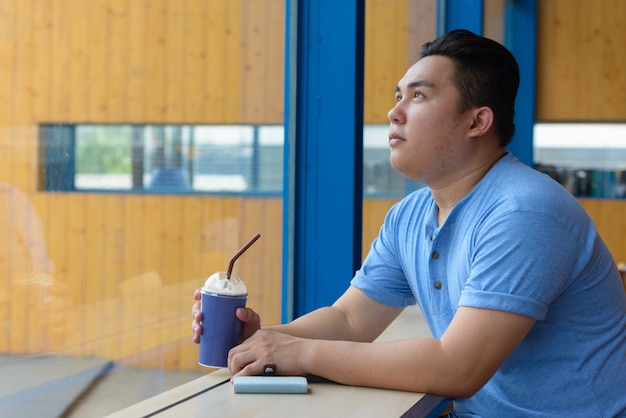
[395, 139]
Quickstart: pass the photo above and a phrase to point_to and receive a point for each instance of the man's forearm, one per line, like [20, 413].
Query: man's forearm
[327, 323]
[416, 365]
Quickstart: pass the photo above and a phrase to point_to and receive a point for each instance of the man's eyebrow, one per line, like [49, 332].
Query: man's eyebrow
[417, 83]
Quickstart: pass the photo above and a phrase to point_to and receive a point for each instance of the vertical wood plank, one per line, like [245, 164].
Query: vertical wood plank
[374, 211]
[59, 64]
[21, 150]
[134, 267]
[57, 227]
[609, 215]
[175, 61]
[42, 51]
[422, 27]
[133, 240]
[494, 20]
[153, 255]
[274, 61]
[24, 62]
[112, 270]
[385, 56]
[8, 20]
[24, 130]
[98, 94]
[7, 79]
[77, 83]
[185, 356]
[72, 235]
[117, 57]
[136, 82]
[196, 60]
[255, 54]
[215, 73]
[171, 239]
[231, 54]
[94, 278]
[155, 61]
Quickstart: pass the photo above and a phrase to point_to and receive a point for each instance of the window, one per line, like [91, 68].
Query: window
[589, 159]
[163, 158]
[244, 159]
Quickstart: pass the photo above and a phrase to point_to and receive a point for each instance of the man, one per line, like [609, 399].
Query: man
[523, 298]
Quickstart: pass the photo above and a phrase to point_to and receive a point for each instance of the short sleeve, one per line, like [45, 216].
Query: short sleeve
[522, 263]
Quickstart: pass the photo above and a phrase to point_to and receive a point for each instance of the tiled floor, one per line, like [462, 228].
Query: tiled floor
[121, 387]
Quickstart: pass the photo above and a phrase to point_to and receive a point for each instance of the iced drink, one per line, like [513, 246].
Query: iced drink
[221, 296]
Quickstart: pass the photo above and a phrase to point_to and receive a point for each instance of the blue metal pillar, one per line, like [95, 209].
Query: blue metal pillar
[520, 29]
[460, 14]
[323, 152]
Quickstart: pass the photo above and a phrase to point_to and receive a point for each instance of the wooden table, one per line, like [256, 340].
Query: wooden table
[213, 395]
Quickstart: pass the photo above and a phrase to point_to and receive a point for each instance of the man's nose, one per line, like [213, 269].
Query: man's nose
[395, 115]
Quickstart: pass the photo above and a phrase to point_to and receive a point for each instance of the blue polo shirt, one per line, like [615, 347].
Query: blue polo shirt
[518, 242]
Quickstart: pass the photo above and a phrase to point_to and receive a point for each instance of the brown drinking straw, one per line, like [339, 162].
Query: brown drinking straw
[241, 251]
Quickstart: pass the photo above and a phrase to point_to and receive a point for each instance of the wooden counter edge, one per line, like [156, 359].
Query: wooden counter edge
[174, 395]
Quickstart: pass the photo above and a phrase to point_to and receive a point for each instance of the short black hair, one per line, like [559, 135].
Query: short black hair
[485, 73]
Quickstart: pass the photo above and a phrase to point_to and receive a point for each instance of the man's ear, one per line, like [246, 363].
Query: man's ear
[482, 121]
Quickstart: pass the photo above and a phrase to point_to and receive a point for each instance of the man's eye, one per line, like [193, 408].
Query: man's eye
[418, 95]
[398, 98]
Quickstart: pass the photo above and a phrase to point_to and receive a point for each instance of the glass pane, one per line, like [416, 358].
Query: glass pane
[103, 157]
[388, 55]
[164, 158]
[588, 159]
[96, 286]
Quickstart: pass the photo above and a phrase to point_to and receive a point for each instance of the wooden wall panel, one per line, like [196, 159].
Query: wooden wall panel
[69, 76]
[118, 31]
[175, 60]
[274, 67]
[136, 84]
[156, 60]
[222, 78]
[194, 76]
[7, 57]
[385, 56]
[609, 216]
[123, 302]
[393, 38]
[374, 211]
[581, 65]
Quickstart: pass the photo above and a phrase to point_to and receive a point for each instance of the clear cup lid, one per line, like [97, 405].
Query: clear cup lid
[218, 283]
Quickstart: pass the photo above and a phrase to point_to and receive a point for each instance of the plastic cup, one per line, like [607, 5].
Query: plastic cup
[220, 326]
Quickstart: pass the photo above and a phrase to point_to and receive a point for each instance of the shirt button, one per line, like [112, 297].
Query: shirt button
[435, 255]
[438, 285]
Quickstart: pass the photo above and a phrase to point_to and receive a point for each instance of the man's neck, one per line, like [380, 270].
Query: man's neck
[448, 196]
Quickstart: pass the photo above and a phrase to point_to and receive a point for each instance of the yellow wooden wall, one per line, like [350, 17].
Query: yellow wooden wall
[581, 63]
[133, 61]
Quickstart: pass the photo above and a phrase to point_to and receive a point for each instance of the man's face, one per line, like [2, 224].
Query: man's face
[427, 130]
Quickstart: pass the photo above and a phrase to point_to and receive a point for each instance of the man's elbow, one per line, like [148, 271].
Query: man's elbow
[461, 387]
[464, 392]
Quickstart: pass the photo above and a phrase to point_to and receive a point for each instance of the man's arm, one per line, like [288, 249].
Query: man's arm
[331, 344]
[471, 350]
[353, 317]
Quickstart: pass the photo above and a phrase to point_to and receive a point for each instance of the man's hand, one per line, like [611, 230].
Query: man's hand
[268, 347]
[251, 320]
